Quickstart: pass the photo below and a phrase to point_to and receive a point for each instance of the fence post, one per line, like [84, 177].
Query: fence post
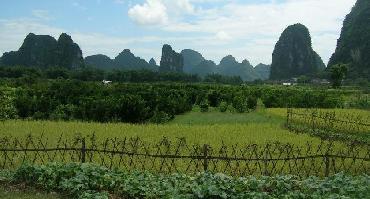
[327, 165]
[205, 155]
[83, 150]
[265, 162]
[289, 112]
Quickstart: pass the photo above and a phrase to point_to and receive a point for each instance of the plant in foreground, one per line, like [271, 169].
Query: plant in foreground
[91, 181]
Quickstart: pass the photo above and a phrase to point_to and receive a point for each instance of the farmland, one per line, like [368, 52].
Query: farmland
[162, 130]
[202, 128]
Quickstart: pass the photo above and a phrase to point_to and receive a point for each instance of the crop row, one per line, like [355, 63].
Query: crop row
[90, 181]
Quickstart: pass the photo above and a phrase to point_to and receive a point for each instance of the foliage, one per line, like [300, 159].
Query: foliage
[137, 103]
[214, 98]
[251, 102]
[90, 181]
[63, 112]
[301, 98]
[204, 106]
[21, 192]
[223, 107]
[338, 73]
[240, 104]
[7, 108]
[217, 78]
[160, 117]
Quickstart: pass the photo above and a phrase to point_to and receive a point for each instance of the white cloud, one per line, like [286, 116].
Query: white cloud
[157, 12]
[152, 12]
[41, 14]
[266, 21]
[13, 32]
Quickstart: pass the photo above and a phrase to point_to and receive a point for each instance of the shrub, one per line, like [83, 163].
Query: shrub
[7, 107]
[240, 104]
[252, 103]
[63, 112]
[214, 98]
[204, 106]
[160, 117]
[223, 107]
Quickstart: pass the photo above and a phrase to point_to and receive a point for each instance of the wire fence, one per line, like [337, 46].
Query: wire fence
[329, 125]
[166, 156]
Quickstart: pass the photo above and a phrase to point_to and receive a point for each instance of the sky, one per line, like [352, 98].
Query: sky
[246, 29]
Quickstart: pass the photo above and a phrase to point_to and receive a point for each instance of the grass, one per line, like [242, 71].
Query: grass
[215, 117]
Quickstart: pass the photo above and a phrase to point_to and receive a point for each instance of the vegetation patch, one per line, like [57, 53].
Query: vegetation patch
[90, 181]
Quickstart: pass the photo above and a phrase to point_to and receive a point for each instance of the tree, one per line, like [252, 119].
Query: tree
[337, 74]
[7, 108]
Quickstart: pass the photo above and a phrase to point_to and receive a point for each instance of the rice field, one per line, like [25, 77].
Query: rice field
[213, 128]
[198, 128]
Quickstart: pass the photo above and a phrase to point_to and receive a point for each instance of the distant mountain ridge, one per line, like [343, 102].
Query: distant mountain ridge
[192, 58]
[124, 61]
[195, 63]
[263, 71]
[44, 51]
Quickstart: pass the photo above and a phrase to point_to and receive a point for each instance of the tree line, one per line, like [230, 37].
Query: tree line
[93, 74]
[145, 102]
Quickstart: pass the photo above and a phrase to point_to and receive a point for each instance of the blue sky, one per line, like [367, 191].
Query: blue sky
[246, 29]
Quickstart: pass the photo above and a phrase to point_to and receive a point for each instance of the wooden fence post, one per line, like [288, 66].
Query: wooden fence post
[83, 150]
[265, 162]
[205, 155]
[289, 112]
[327, 165]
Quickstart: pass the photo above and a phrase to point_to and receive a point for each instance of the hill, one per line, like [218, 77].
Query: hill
[171, 61]
[230, 67]
[126, 60]
[293, 55]
[353, 46]
[44, 51]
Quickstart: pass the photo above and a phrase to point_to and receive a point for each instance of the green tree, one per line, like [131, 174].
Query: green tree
[337, 74]
[7, 108]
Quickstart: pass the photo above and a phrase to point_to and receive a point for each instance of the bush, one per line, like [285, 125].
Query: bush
[223, 107]
[214, 98]
[240, 104]
[64, 112]
[252, 103]
[160, 117]
[7, 107]
[204, 106]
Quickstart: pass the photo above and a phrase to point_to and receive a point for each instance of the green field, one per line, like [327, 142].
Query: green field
[213, 128]
[201, 128]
